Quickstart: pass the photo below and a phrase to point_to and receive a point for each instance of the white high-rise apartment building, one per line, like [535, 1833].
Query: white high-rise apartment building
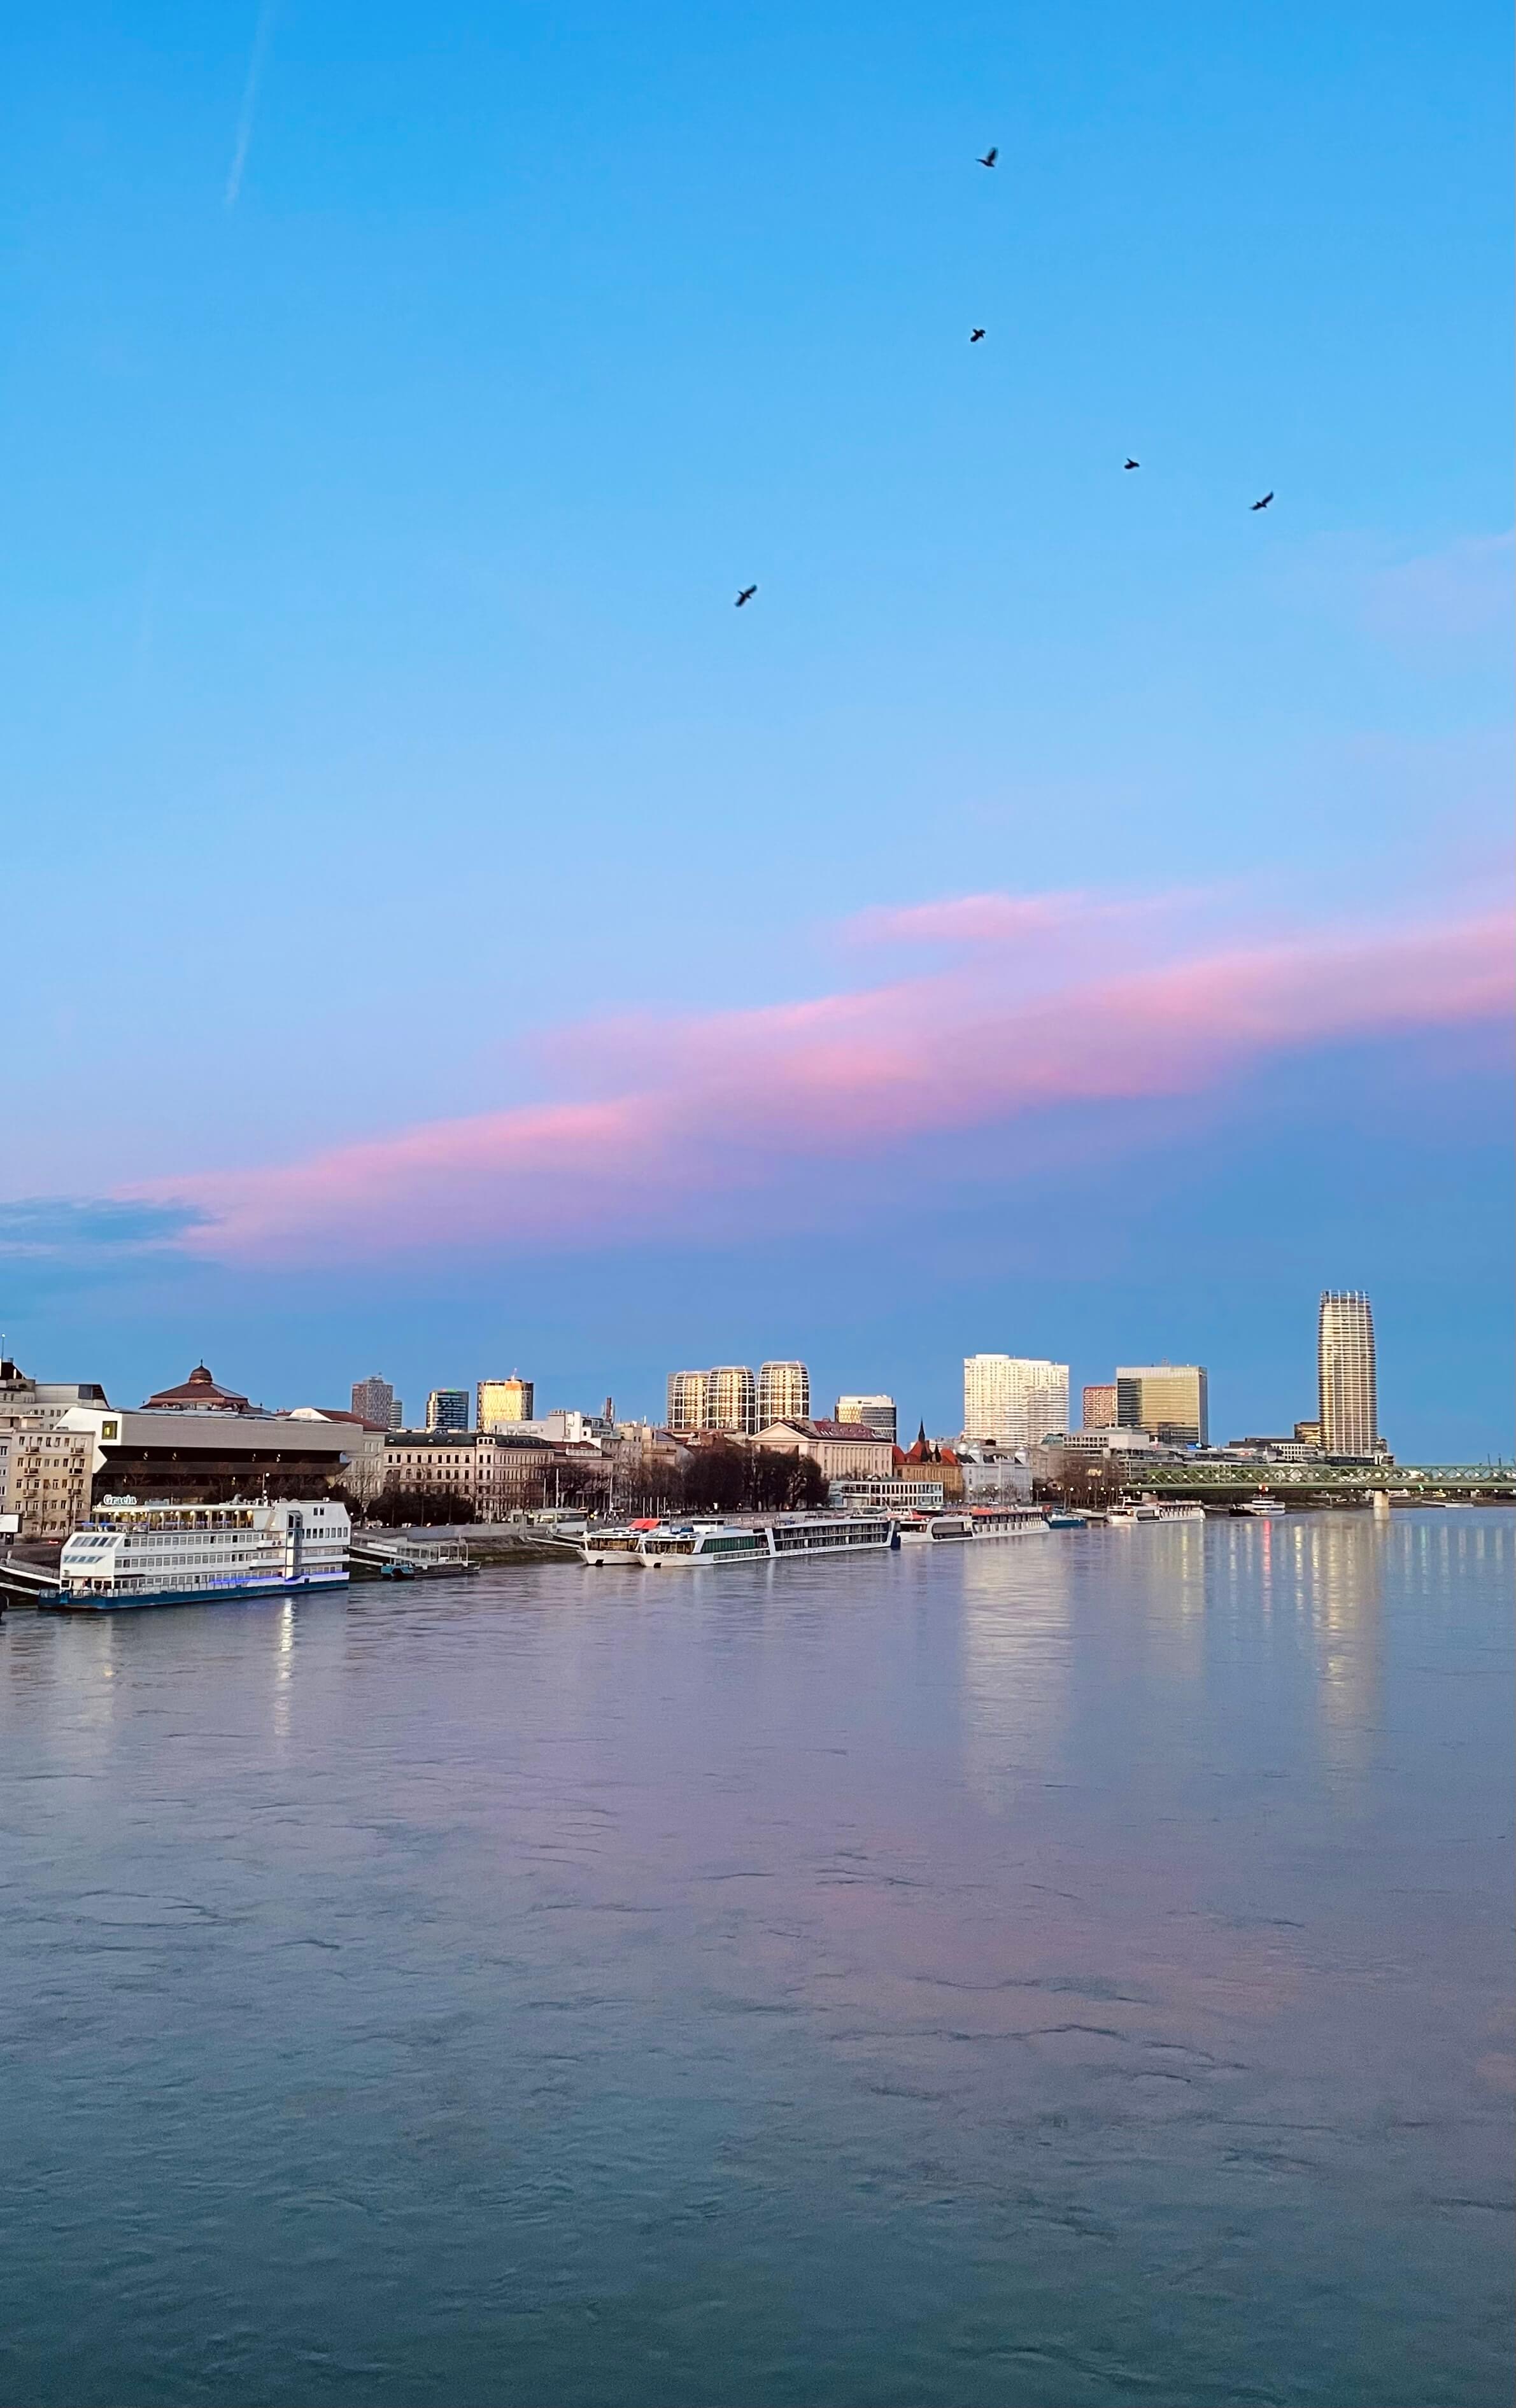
[784, 1393]
[731, 1399]
[878, 1412]
[1016, 1400]
[1346, 1374]
[687, 1402]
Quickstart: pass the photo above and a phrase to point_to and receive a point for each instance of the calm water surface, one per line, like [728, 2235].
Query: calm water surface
[1076, 1971]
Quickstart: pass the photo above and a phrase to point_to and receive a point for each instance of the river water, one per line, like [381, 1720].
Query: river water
[1071, 1971]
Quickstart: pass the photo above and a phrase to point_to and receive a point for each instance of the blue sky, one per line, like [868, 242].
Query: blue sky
[377, 716]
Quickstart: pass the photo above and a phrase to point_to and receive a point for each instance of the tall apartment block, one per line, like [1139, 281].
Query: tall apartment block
[1098, 1408]
[502, 1402]
[687, 1402]
[1347, 1375]
[375, 1401]
[1168, 1400]
[731, 1399]
[784, 1393]
[1016, 1400]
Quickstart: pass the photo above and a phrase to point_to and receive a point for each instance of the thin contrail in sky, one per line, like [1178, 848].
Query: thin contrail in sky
[250, 101]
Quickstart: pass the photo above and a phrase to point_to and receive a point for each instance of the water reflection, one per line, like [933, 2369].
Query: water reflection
[1014, 1664]
[1340, 1573]
[283, 1669]
[1028, 1965]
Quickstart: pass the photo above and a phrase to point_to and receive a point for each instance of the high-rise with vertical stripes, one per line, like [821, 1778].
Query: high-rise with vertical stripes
[1346, 1373]
[784, 1393]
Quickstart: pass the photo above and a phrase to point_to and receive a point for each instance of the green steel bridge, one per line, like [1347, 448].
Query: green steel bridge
[1483, 1484]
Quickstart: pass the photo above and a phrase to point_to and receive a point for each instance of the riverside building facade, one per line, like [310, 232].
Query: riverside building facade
[45, 1479]
[841, 1450]
[208, 1456]
[1347, 1374]
[496, 1473]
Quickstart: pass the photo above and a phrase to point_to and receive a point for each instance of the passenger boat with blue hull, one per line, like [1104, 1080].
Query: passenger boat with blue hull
[130, 1554]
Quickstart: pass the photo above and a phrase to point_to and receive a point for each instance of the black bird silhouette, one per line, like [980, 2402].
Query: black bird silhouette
[991, 156]
[978, 336]
[745, 595]
[1264, 504]
[1132, 463]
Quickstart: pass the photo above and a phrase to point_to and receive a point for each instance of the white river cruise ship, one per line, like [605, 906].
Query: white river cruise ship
[129, 1554]
[678, 1545]
[974, 1522]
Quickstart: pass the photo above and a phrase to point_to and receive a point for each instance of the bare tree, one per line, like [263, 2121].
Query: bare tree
[400, 1507]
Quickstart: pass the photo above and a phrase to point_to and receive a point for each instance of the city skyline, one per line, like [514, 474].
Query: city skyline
[1002, 1397]
[1194, 1001]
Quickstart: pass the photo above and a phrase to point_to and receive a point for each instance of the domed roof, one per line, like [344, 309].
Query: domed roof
[199, 1393]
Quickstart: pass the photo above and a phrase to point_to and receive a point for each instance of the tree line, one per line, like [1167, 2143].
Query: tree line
[723, 1477]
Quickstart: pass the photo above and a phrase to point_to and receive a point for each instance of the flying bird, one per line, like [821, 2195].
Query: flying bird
[991, 156]
[978, 336]
[1264, 504]
[745, 595]
[1132, 463]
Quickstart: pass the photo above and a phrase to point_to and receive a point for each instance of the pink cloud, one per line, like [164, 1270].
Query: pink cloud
[974, 919]
[730, 1105]
[1071, 925]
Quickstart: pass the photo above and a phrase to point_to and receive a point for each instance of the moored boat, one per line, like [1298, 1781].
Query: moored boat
[619, 1544]
[934, 1529]
[1008, 1522]
[679, 1545]
[129, 1555]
